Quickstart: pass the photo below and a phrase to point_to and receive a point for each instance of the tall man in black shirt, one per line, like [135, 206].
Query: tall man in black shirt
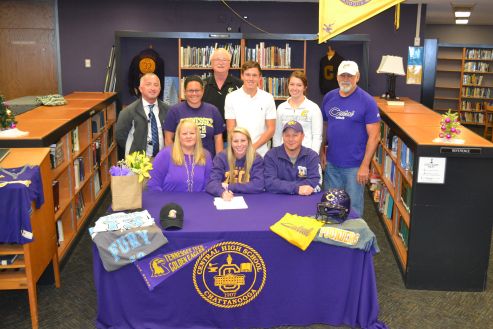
[221, 83]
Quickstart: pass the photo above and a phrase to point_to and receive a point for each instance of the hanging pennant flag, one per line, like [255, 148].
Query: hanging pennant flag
[397, 16]
[155, 270]
[337, 16]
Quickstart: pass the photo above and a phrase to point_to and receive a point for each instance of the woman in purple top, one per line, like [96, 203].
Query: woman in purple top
[239, 169]
[184, 167]
[206, 116]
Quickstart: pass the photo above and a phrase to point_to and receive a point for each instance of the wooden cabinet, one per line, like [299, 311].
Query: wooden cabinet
[34, 257]
[83, 146]
[440, 231]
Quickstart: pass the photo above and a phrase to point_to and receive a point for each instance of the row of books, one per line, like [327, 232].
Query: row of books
[379, 154]
[109, 138]
[389, 169]
[479, 54]
[473, 105]
[406, 195]
[476, 67]
[472, 117]
[79, 205]
[278, 87]
[407, 158]
[59, 231]
[472, 79]
[391, 141]
[386, 203]
[75, 140]
[55, 186]
[79, 171]
[404, 232]
[56, 154]
[96, 153]
[270, 57]
[98, 183]
[97, 122]
[380, 193]
[199, 57]
[476, 92]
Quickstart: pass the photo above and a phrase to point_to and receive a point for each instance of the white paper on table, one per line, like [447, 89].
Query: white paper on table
[236, 203]
[12, 133]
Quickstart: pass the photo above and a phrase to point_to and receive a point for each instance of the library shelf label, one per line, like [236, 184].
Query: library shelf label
[461, 150]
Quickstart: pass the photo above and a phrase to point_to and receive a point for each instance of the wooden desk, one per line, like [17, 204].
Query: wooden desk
[93, 95]
[48, 124]
[38, 254]
[423, 124]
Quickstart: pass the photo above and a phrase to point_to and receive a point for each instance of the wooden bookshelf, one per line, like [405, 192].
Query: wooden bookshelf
[464, 81]
[434, 228]
[277, 58]
[71, 126]
[34, 257]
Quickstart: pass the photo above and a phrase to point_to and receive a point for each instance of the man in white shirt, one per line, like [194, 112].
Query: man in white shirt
[139, 125]
[252, 108]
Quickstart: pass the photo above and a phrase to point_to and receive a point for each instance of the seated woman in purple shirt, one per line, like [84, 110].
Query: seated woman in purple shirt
[239, 169]
[183, 167]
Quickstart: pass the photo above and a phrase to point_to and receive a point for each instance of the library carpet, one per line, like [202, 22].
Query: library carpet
[74, 305]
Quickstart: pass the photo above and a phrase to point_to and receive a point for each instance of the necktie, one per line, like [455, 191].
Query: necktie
[154, 132]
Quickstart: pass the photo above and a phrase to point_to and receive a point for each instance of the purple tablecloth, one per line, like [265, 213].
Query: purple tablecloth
[324, 284]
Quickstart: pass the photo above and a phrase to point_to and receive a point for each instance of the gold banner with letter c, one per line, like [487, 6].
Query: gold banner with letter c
[337, 16]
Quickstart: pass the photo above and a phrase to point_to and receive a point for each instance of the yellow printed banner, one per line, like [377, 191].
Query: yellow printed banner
[337, 16]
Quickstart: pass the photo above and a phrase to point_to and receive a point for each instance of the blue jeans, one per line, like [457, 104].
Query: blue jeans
[345, 178]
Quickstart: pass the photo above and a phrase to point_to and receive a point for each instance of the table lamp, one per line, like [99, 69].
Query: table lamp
[392, 66]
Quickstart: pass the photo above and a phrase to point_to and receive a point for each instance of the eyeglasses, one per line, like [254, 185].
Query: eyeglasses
[220, 60]
[194, 91]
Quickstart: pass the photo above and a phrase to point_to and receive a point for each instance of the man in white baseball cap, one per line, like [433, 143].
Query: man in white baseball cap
[351, 126]
[348, 67]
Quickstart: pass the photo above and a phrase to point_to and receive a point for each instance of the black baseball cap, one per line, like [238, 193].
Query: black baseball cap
[171, 216]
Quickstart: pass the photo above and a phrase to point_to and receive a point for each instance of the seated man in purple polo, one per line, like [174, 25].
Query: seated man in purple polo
[292, 168]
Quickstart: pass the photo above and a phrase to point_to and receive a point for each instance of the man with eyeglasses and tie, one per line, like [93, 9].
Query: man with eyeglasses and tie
[220, 83]
[140, 125]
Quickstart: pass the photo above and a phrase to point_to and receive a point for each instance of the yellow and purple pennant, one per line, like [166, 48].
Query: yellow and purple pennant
[156, 269]
[337, 16]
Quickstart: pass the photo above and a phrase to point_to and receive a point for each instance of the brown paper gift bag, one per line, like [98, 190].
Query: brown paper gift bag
[126, 192]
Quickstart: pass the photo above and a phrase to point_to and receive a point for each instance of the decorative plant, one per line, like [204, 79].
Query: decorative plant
[7, 118]
[449, 125]
[137, 163]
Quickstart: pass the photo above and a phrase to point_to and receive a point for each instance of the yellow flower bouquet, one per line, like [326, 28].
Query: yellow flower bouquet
[127, 179]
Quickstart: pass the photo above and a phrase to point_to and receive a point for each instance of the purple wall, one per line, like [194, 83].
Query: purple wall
[87, 31]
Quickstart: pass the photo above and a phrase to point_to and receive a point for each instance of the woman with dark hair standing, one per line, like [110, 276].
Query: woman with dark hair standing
[206, 116]
[239, 169]
[301, 109]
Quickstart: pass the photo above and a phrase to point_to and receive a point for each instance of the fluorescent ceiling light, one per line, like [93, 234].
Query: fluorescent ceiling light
[461, 21]
[462, 13]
